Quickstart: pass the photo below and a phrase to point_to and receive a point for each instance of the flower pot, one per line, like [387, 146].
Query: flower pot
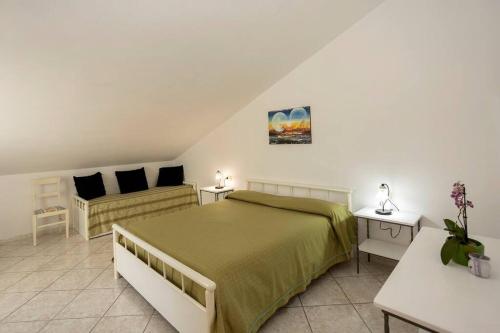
[461, 257]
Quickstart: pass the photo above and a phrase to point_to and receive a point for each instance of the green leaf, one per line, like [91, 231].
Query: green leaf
[454, 229]
[460, 233]
[451, 225]
[450, 247]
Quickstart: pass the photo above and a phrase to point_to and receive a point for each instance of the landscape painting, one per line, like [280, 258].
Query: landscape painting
[290, 126]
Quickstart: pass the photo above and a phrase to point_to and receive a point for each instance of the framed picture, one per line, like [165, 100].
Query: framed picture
[290, 126]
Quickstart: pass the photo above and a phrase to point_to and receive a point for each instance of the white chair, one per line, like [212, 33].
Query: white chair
[43, 189]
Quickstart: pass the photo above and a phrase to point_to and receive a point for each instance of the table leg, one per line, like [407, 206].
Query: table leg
[386, 322]
[418, 225]
[216, 196]
[357, 248]
[411, 233]
[201, 198]
[368, 234]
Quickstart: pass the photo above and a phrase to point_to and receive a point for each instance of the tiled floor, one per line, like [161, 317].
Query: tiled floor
[67, 285]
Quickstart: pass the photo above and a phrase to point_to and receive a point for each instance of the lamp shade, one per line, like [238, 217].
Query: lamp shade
[218, 175]
[383, 193]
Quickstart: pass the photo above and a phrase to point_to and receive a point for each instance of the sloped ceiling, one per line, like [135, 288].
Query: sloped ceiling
[88, 83]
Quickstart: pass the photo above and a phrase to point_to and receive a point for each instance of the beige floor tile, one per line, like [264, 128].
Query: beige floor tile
[80, 325]
[323, 291]
[335, 318]
[79, 249]
[380, 265]
[9, 278]
[10, 302]
[77, 279]
[55, 250]
[130, 302]
[360, 289]
[287, 320]
[90, 303]
[107, 280]
[86, 248]
[43, 306]
[107, 248]
[63, 262]
[26, 327]
[8, 262]
[123, 324]
[45, 240]
[382, 277]
[294, 302]
[25, 251]
[374, 318]
[71, 242]
[158, 324]
[7, 249]
[35, 281]
[30, 264]
[98, 260]
[348, 268]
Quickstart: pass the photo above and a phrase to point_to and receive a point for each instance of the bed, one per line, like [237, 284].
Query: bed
[96, 216]
[228, 266]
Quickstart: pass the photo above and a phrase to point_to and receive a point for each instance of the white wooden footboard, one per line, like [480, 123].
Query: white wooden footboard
[172, 302]
[81, 215]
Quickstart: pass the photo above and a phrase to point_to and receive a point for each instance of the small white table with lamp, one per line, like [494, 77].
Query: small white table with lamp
[402, 219]
[218, 190]
[383, 248]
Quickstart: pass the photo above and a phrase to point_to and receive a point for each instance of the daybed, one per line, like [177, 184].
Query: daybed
[228, 266]
[96, 216]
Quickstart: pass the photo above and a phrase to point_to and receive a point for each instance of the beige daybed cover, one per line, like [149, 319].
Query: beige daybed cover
[120, 208]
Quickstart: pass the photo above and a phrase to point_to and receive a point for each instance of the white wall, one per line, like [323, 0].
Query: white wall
[16, 193]
[410, 95]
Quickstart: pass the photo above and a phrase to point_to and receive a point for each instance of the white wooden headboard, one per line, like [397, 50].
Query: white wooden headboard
[335, 194]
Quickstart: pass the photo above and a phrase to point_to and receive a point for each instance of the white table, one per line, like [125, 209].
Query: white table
[380, 247]
[438, 298]
[216, 191]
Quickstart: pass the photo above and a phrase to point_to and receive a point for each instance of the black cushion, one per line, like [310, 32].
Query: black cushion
[132, 180]
[90, 187]
[171, 176]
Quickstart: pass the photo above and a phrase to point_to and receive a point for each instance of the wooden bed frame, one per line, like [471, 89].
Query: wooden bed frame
[172, 302]
[82, 214]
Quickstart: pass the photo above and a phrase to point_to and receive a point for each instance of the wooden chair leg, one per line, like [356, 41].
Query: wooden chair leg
[67, 224]
[34, 229]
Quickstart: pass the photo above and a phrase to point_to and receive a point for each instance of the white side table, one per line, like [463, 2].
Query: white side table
[383, 248]
[217, 192]
[438, 298]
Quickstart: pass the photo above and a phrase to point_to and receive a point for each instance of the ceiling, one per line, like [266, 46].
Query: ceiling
[89, 83]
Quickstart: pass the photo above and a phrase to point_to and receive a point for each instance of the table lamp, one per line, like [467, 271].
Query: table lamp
[219, 177]
[383, 197]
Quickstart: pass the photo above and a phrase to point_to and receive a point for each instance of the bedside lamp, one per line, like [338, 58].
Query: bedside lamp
[219, 177]
[383, 197]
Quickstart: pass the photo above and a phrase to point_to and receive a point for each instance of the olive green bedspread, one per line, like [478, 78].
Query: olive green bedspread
[120, 208]
[259, 249]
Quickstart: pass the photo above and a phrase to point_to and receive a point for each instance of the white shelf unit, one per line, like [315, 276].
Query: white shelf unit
[384, 248]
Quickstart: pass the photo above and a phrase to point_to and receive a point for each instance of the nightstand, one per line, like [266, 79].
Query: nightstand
[217, 192]
[383, 248]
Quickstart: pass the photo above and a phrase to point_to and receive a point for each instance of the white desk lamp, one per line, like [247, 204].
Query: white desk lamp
[219, 177]
[383, 197]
